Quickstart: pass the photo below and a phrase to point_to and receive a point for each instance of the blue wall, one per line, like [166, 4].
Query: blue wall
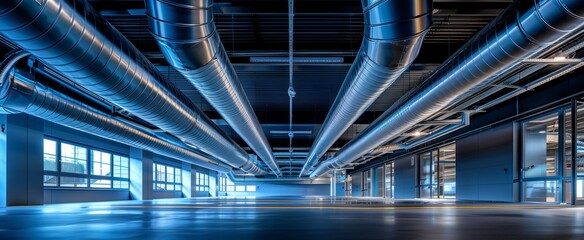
[405, 178]
[485, 165]
[356, 184]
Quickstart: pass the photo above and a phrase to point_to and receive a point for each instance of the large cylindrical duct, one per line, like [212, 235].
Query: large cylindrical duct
[394, 31]
[188, 38]
[20, 94]
[522, 30]
[79, 43]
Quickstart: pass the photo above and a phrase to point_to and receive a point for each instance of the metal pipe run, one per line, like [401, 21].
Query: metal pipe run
[520, 32]
[189, 40]
[20, 94]
[71, 37]
[394, 31]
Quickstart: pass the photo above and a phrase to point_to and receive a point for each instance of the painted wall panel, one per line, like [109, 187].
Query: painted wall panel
[405, 178]
[484, 165]
[70, 195]
[356, 190]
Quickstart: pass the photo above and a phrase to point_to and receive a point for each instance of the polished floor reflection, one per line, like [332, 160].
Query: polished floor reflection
[291, 218]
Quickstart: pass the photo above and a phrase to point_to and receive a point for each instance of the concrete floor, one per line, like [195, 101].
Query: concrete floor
[291, 218]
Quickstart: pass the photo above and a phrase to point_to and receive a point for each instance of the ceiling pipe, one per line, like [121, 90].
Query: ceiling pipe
[464, 121]
[288, 180]
[393, 35]
[76, 41]
[21, 94]
[520, 32]
[188, 38]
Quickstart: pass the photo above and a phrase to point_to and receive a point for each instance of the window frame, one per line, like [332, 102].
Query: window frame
[227, 186]
[176, 183]
[88, 175]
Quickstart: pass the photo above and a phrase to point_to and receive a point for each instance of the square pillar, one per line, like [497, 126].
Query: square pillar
[21, 160]
[141, 175]
[188, 189]
[213, 179]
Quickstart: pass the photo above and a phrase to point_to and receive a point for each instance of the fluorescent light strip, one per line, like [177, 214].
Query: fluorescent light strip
[297, 60]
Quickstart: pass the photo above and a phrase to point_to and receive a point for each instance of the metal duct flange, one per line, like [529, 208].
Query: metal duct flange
[520, 32]
[394, 31]
[76, 41]
[23, 95]
[186, 34]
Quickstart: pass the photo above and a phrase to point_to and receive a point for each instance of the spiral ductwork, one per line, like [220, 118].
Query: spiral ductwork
[20, 94]
[394, 31]
[69, 36]
[186, 34]
[520, 32]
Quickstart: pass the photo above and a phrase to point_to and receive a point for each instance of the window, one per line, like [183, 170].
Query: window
[101, 163]
[202, 184]
[226, 185]
[540, 147]
[50, 155]
[250, 188]
[437, 176]
[121, 169]
[167, 178]
[73, 158]
[71, 165]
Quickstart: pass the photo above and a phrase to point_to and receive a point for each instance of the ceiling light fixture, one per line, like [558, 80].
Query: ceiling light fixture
[555, 60]
[297, 60]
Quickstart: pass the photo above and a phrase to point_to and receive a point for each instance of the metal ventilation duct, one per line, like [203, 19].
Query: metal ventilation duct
[73, 39]
[520, 32]
[394, 31]
[187, 36]
[19, 94]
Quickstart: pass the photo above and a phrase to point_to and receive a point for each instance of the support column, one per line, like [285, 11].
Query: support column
[188, 190]
[574, 148]
[213, 178]
[333, 186]
[141, 177]
[21, 160]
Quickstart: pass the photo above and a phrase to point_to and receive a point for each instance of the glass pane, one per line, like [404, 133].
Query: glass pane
[580, 189]
[240, 188]
[541, 191]
[389, 180]
[435, 175]
[580, 140]
[50, 181]
[73, 182]
[161, 173]
[568, 143]
[250, 188]
[50, 155]
[121, 169]
[121, 184]
[73, 159]
[178, 175]
[448, 171]
[170, 174]
[101, 163]
[567, 191]
[426, 168]
[540, 147]
[101, 183]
